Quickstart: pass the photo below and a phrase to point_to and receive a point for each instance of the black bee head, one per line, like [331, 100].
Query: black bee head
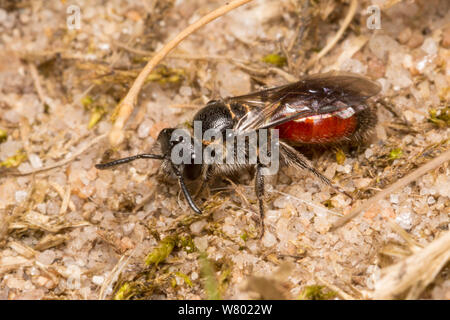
[177, 146]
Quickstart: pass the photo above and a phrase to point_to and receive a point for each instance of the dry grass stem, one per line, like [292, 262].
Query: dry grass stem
[114, 274]
[433, 164]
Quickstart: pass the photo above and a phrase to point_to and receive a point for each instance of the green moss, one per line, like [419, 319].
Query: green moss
[340, 156]
[96, 115]
[165, 74]
[162, 251]
[209, 278]
[316, 292]
[124, 292]
[224, 277]
[87, 101]
[187, 244]
[3, 135]
[215, 283]
[186, 279]
[173, 282]
[440, 117]
[395, 154]
[275, 59]
[98, 107]
[167, 245]
[15, 160]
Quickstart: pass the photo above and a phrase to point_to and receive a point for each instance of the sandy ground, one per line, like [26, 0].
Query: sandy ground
[79, 233]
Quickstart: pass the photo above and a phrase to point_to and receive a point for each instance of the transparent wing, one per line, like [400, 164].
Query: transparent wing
[312, 95]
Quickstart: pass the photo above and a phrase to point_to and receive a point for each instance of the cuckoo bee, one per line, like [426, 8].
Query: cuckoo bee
[319, 109]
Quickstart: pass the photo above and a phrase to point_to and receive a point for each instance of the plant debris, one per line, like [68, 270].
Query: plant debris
[316, 292]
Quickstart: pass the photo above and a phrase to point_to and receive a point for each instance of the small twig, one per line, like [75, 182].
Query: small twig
[286, 75]
[310, 204]
[63, 194]
[238, 190]
[184, 106]
[332, 43]
[413, 245]
[125, 108]
[37, 83]
[344, 295]
[178, 56]
[390, 3]
[65, 201]
[264, 72]
[131, 49]
[433, 164]
[114, 274]
[62, 162]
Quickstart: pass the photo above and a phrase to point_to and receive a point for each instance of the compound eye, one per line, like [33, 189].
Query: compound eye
[174, 142]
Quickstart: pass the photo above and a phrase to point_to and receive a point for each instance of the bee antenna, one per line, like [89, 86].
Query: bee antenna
[107, 165]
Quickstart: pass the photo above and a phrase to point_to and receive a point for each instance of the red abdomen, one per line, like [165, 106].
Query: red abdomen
[327, 128]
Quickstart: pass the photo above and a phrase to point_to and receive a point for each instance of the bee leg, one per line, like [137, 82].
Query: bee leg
[259, 189]
[207, 174]
[294, 158]
[185, 190]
